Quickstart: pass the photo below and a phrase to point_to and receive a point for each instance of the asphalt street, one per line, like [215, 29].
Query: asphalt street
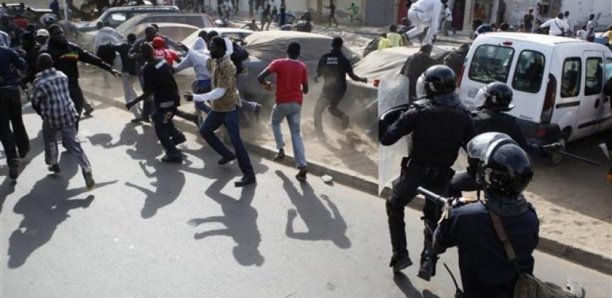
[151, 229]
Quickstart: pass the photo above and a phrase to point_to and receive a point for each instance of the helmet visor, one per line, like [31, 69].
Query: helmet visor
[420, 87]
[478, 147]
[480, 98]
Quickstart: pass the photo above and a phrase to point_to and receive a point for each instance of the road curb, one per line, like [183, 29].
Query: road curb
[369, 185]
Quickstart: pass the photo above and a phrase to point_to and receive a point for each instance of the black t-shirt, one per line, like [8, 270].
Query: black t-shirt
[159, 80]
[334, 66]
[414, 66]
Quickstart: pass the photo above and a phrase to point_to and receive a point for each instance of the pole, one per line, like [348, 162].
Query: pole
[65, 10]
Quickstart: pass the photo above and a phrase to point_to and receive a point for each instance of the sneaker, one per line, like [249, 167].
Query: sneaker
[301, 175]
[88, 110]
[89, 181]
[14, 169]
[226, 159]
[245, 180]
[54, 168]
[179, 139]
[400, 262]
[280, 155]
[172, 159]
[137, 120]
[23, 153]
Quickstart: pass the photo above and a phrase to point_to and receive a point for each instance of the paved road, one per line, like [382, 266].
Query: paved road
[155, 230]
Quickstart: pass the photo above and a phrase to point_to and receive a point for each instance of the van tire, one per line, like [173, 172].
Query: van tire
[555, 158]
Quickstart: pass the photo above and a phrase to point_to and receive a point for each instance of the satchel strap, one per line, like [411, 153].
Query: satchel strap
[503, 237]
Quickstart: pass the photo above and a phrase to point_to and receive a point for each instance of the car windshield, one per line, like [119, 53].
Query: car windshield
[491, 63]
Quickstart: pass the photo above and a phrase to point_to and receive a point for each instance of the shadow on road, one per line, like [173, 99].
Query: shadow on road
[44, 209]
[239, 218]
[321, 223]
[405, 285]
[168, 184]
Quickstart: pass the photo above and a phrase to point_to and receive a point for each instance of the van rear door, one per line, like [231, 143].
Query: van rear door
[592, 102]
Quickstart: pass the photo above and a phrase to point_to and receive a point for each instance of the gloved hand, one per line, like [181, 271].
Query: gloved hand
[389, 117]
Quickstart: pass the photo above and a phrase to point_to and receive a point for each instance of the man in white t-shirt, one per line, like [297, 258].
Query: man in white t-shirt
[447, 20]
[556, 26]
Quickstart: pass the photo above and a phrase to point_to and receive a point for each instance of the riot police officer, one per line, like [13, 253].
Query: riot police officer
[439, 125]
[503, 171]
[494, 99]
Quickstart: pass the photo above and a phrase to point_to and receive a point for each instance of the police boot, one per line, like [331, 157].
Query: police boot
[428, 264]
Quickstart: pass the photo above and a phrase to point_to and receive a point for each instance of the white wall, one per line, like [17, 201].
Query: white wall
[579, 10]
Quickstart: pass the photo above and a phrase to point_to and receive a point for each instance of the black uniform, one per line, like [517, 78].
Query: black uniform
[159, 80]
[66, 57]
[414, 66]
[333, 66]
[486, 121]
[485, 268]
[438, 130]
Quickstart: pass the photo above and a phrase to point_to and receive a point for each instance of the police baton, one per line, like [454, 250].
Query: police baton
[458, 292]
[438, 199]
[556, 148]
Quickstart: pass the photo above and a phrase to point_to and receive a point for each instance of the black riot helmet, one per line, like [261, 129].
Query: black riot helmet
[436, 81]
[496, 96]
[504, 169]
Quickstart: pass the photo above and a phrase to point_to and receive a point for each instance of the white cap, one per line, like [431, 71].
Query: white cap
[42, 32]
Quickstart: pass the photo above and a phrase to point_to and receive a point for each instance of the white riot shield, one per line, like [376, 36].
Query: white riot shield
[392, 92]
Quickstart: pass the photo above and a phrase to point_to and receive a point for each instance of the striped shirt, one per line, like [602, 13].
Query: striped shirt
[52, 99]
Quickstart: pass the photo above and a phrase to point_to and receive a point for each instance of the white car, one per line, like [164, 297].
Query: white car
[557, 82]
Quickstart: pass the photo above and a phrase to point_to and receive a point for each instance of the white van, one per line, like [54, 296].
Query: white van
[557, 82]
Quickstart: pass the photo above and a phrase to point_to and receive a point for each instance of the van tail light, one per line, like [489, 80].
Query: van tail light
[460, 75]
[540, 132]
[549, 99]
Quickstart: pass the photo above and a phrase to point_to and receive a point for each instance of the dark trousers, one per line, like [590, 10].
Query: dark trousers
[166, 131]
[76, 94]
[331, 104]
[10, 116]
[403, 192]
[462, 182]
[230, 120]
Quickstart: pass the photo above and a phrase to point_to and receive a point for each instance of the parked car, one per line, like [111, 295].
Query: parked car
[557, 82]
[30, 13]
[115, 16]
[199, 20]
[174, 31]
[233, 33]
[89, 39]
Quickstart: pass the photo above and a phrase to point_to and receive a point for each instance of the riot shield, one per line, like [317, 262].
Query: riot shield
[392, 91]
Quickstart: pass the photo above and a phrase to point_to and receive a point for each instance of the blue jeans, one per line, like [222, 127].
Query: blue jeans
[291, 111]
[230, 120]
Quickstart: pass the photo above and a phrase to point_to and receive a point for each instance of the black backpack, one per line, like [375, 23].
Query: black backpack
[238, 56]
[107, 53]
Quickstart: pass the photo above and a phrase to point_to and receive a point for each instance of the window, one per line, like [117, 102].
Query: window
[549, 8]
[491, 63]
[570, 79]
[115, 19]
[608, 68]
[529, 71]
[594, 75]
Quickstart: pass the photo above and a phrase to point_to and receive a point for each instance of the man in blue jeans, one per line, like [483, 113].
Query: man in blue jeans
[291, 82]
[224, 100]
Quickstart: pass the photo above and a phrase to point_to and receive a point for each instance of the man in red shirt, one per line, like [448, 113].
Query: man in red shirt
[291, 82]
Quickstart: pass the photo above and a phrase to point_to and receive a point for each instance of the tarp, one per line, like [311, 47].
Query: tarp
[392, 92]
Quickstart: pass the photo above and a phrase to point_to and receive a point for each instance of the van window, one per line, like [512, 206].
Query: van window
[594, 75]
[608, 68]
[570, 78]
[529, 71]
[115, 19]
[491, 63]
